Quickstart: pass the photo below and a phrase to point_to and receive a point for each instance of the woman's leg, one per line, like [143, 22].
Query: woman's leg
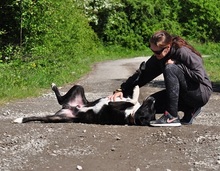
[175, 83]
[182, 94]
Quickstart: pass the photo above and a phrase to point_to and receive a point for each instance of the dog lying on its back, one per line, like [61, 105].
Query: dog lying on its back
[76, 108]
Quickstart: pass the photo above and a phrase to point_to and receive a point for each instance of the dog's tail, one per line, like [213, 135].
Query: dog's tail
[45, 119]
[18, 120]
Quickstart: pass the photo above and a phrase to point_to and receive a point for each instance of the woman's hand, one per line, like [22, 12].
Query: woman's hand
[115, 95]
[170, 61]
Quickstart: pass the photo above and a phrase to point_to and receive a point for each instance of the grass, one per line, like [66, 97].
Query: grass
[211, 53]
[32, 79]
[212, 65]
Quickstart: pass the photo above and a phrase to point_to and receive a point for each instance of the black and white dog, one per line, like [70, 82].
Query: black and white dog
[76, 108]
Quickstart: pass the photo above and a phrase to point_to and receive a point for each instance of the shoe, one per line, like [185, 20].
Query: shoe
[189, 116]
[166, 120]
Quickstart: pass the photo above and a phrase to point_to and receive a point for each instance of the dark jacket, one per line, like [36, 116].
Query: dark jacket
[190, 63]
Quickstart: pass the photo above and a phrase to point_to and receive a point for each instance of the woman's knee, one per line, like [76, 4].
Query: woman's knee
[170, 68]
[173, 69]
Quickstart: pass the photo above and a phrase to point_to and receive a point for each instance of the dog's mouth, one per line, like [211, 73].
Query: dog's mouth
[142, 121]
[139, 121]
[131, 119]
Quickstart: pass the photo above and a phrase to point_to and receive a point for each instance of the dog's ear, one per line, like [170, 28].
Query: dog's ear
[151, 101]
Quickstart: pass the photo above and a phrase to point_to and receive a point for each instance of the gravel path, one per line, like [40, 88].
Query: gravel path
[89, 147]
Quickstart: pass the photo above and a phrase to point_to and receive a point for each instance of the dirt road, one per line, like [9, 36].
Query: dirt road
[69, 146]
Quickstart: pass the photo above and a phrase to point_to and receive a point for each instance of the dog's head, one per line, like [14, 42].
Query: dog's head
[146, 112]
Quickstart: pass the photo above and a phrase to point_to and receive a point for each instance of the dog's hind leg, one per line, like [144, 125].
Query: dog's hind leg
[74, 97]
[63, 115]
[45, 119]
[60, 98]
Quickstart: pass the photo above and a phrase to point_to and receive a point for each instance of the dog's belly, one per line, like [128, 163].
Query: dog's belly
[68, 113]
[104, 101]
[96, 108]
[77, 101]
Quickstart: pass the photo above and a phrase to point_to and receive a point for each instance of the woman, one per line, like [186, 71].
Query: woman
[188, 87]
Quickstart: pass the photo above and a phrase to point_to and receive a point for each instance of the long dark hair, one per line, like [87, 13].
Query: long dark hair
[163, 38]
[178, 42]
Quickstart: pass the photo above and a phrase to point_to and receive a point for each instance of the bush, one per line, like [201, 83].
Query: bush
[201, 19]
[48, 41]
[56, 42]
[130, 23]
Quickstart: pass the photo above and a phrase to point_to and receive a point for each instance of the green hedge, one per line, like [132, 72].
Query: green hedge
[130, 23]
[51, 40]
[55, 42]
[44, 25]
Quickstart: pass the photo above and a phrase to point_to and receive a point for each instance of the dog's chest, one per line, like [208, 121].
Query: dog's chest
[97, 107]
[100, 104]
[104, 101]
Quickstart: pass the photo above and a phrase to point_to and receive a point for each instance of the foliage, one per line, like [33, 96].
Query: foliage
[44, 25]
[52, 47]
[202, 20]
[130, 23]
[48, 41]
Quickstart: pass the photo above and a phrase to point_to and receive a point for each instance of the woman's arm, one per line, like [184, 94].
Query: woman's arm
[147, 72]
[192, 62]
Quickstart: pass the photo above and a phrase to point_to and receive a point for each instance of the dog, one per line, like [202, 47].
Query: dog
[76, 108]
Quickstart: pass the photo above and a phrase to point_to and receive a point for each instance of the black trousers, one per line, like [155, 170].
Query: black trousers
[181, 93]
